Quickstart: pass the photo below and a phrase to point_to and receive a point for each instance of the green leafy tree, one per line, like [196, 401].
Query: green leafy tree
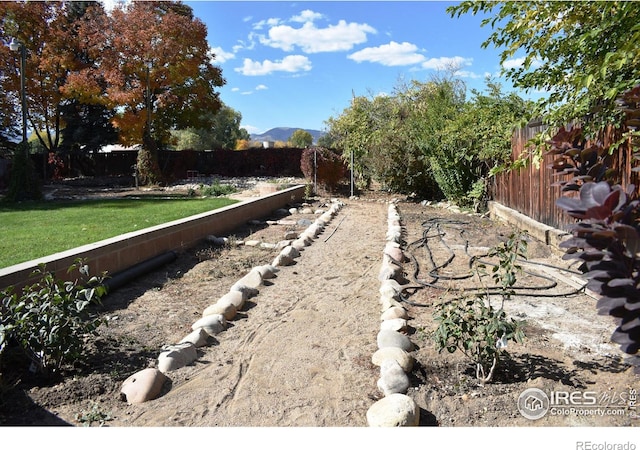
[223, 133]
[301, 139]
[583, 54]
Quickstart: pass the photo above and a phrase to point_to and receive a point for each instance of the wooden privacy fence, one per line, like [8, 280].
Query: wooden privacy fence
[529, 190]
[175, 164]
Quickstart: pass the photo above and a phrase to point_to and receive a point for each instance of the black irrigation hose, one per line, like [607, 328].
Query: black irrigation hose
[421, 284]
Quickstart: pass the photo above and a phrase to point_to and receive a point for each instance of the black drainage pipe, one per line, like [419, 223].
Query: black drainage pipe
[125, 276]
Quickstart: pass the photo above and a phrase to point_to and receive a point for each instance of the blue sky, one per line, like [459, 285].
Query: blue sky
[295, 64]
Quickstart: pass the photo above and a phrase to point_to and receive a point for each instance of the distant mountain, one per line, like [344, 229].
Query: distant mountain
[283, 134]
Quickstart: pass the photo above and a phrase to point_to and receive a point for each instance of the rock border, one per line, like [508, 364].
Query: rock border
[395, 409]
[143, 385]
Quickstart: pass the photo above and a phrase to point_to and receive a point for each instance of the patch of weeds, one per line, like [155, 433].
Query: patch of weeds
[216, 189]
[95, 415]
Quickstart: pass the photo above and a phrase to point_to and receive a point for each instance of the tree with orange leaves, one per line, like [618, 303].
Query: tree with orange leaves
[153, 65]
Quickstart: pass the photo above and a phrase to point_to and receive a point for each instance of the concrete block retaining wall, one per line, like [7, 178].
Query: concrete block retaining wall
[121, 252]
[544, 233]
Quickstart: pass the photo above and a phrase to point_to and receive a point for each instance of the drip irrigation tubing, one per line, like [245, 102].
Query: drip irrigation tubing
[435, 274]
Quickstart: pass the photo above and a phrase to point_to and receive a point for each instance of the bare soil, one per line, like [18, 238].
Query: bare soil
[299, 354]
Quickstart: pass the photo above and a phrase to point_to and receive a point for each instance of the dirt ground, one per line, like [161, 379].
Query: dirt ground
[299, 354]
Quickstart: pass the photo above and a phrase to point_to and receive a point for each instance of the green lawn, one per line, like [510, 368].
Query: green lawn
[34, 230]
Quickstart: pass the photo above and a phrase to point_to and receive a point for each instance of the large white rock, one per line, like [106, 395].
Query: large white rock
[252, 280]
[143, 386]
[226, 308]
[394, 312]
[198, 337]
[393, 380]
[267, 271]
[282, 260]
[246, 291]
[403, 358]
[390, 288]
[290, 252]
[394, 324]
[176, 356]
[395, 410]
[236, 297]
[390, 338]
[212, 324]
[387, 303]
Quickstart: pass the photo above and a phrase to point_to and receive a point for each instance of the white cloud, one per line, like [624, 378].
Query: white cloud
[447, 62]
[516, 63]
[219, 56]
[469, 74]
[391, 54]
[272, 22]
[307, 16]
[261, 87]
[235, 89]
[513, 63]
[291, 63]
[340, 37]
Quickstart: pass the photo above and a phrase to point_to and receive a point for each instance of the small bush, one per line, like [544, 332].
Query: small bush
[50, 319]
[473, 326]
[216, 189]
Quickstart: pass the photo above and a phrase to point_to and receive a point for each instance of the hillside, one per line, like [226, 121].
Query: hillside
[283, 134]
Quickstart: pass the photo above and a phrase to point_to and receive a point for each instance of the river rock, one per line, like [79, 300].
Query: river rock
[394, 324]
[235, 297]
[393, 380]
[390, 288]
[394, 312]
[252, 243]
[267, 271]
[388, 303]
[282, 260]
[291, 235]
[290, 252]
[304, 222]
[403, 358]
[299, 244]
[213, 324]
[394, 253]
[251, 280]
[225, 307]
[247, 292]
[176, 356]
[389, 271]
[143, 386]
[198, 337]
[395, 410]
[390, 338]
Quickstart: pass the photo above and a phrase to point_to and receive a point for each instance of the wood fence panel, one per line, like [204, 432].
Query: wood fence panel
[530, 190]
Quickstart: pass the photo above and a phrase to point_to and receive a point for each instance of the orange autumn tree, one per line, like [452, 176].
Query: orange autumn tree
[43, 29]
[153, 65]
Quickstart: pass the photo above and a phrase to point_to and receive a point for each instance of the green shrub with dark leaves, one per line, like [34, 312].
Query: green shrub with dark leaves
[51, 319]
[606, 236]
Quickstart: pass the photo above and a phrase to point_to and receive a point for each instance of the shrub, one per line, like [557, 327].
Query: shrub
[606, 236]
[50, 318]
[329, 168]
[216, 189]
[473, 325]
